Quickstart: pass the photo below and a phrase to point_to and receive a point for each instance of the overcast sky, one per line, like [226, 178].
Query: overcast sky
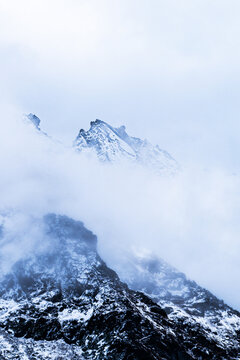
[168, 70]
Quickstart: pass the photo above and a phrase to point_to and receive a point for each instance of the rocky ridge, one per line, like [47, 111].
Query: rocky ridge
[182, 299]
[68, 297]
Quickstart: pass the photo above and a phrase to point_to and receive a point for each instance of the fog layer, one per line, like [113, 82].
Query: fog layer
[191, 220]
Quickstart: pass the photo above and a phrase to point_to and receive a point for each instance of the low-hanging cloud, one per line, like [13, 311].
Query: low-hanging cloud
[190, 220]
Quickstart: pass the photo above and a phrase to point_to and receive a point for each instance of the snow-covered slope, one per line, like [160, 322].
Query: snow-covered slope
[66, 301]
[114, 144]
[182, 299]
[15, 348]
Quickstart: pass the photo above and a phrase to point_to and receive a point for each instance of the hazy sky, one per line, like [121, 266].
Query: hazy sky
[168, 70]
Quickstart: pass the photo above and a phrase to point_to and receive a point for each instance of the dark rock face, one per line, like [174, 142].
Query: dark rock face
[68, 297]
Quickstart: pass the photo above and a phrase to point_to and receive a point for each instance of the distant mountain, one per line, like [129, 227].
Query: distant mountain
[65, 303]
[114, 144]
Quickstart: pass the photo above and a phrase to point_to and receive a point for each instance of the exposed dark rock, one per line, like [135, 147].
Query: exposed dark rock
[68, 295]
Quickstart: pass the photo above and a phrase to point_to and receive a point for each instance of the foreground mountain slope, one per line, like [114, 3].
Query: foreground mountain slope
[182, 299]
[67, 295]
[114, 144]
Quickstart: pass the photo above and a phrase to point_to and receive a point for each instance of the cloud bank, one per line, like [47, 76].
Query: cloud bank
[191, 220]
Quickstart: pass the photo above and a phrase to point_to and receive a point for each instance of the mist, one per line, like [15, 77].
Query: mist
[190, 220]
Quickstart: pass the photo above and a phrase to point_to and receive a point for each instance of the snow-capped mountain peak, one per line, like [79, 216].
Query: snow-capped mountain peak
[114, 144]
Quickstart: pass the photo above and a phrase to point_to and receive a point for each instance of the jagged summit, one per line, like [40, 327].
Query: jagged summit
[114, 144]
[34, 119]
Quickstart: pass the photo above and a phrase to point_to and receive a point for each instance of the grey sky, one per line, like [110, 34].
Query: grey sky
[168, 70]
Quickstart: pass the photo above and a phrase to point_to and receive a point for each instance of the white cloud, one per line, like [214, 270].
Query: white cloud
[191, 220]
